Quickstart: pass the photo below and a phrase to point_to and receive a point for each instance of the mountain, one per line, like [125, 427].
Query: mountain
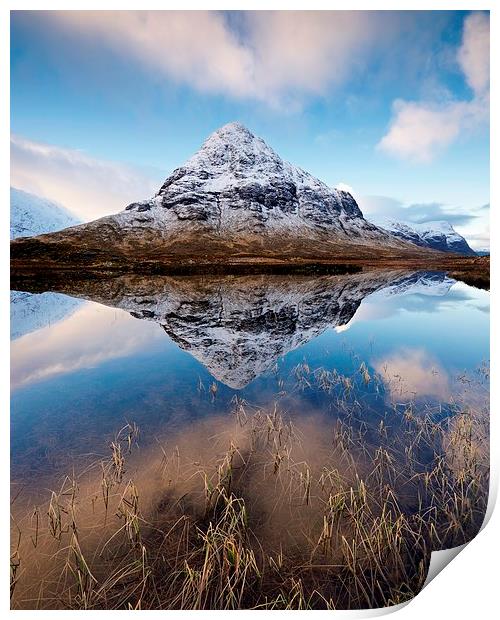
[234, 201]
[238, 183]
[438, 235]
[238, 327]
[32, 215]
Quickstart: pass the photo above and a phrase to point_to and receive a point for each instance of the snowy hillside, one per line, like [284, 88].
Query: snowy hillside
[236, 182]
[439, 235]
[32, 215]
[234, 201]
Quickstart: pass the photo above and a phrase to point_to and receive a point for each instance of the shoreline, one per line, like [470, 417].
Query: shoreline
[474, 270]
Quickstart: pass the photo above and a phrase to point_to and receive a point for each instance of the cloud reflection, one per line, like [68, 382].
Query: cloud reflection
[92, 335]
[413, 373]
[385, 303]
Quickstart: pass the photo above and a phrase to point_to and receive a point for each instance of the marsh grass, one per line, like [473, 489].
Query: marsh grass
[260, 510]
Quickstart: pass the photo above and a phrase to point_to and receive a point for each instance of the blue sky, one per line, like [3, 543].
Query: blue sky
[395, 105]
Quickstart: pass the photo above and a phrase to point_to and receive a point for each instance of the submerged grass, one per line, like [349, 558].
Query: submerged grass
[261, 511]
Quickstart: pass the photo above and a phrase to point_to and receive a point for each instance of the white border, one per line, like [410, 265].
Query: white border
[469, 585]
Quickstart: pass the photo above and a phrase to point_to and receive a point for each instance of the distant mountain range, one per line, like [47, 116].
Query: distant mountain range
[31, 215]
[435, 235]
[235, 201]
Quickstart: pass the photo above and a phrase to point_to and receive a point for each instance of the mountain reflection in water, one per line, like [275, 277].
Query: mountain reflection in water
[237, 327]
[80, 374]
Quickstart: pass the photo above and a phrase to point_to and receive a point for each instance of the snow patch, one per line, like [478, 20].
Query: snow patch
[31, 215]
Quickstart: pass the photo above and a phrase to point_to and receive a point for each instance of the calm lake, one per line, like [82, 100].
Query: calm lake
[165, 352]
[256, 427]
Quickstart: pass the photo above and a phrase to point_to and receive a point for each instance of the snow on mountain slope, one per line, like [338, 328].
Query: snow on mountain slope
[234, 201]
[429, 283]
[237, 183]
[438, 235]
[32, 215]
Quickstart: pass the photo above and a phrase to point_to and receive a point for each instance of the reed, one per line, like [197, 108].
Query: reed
[261, 511]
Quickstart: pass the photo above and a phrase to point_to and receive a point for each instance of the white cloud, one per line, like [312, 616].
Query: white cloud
[474, 54]
[306, 51]
[374, 207]
[192, 46]
[272, 56]
[421, 129]
[88, 187]
[479, 240]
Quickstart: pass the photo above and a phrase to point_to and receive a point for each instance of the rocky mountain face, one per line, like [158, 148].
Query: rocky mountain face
[238, 327]
[434, 235]
[31, 215]
[234, 201]
[237, 182]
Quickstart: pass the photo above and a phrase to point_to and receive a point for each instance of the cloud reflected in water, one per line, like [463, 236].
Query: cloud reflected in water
[92, 335]
[413, 373]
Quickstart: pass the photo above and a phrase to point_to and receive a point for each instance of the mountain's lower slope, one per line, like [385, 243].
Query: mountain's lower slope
[234, 201]
[106, 243]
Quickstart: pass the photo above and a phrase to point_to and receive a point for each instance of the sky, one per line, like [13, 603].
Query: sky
[395, 105]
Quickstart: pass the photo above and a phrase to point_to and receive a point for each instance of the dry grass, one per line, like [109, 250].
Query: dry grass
[259, 511]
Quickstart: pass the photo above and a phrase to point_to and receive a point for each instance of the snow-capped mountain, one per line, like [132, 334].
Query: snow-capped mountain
[439, 235]
[237, 182]
[234, 200]
[238, 327]
[31, 215]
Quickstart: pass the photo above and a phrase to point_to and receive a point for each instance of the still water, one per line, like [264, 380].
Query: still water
[166, 352]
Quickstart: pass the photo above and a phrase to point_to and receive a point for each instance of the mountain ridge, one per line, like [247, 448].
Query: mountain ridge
[234, 201]
[438, 235]
[236, 183]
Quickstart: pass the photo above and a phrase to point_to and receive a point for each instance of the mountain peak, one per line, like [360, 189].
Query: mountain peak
[230, 156]
[236, 182]
[233, 128]
[235, 142]
[232, 135]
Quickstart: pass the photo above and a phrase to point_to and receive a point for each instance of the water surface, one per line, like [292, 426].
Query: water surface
[164, 352]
